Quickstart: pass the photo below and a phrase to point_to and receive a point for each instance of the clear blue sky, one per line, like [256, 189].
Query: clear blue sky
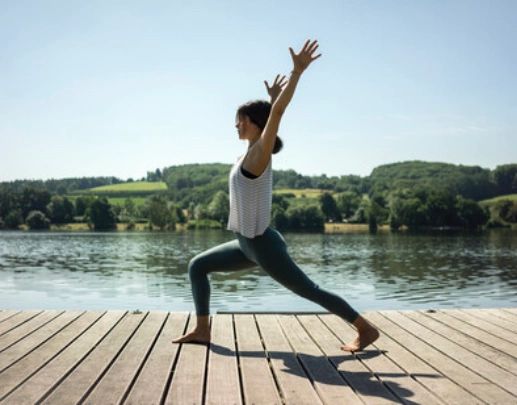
[117, 88]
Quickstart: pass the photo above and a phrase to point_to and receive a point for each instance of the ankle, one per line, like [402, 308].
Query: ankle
[362, 325]
[203, 323]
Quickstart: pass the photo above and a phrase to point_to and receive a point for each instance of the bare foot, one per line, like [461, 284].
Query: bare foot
[365, 338]
[194, 337]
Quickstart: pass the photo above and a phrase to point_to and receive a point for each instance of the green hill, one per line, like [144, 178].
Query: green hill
[470, 181]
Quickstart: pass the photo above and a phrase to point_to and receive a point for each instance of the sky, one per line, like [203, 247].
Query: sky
[119, 88]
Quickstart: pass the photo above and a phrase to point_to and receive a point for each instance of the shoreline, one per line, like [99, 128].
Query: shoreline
[330, 228]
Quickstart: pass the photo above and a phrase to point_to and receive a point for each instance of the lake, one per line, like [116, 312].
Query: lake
[148, 271]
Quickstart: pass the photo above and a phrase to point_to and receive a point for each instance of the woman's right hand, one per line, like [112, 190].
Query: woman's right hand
[303, 59]
[275, 90]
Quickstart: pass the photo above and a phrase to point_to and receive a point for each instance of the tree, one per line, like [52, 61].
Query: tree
[159, 213]
[101, 215]
[219, 207]
[13, 219]
[374, 214]
[8, 202]
[60, 210]
[34, 199]
[37, 220]
[347, 203]
[413, 213]
[307, 217]
[470, 213]
[129, 207]
[505, 177]
[82, 203]
[279, 219]
[440, 207]
[329, 207]
[200, 212]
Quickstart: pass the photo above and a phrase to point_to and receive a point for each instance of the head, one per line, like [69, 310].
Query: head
[251, 119]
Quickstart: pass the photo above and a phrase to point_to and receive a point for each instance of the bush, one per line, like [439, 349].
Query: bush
[2, 223]
[507, 210]
[307, 217]
[470, 213]
[37, 220]
[279, 218]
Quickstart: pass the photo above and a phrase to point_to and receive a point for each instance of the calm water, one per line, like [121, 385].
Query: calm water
[149, 271]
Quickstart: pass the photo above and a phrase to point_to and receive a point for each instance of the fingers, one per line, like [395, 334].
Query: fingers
[279, 81]
[304, 49]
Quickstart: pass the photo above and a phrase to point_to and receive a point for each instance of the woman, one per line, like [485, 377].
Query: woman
[256, 243]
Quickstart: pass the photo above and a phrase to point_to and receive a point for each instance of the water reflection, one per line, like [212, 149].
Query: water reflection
[149, 271]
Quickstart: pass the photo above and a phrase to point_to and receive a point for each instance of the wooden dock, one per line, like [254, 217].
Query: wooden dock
[466, 356]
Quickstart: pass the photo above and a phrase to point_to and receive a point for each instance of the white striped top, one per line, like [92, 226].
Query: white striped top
[250, 200]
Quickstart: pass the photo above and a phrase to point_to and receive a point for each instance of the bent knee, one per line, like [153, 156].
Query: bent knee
[196, 267]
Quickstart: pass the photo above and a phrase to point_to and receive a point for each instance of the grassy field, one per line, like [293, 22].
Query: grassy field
[136, 186]
[299, 193]
[490, 201]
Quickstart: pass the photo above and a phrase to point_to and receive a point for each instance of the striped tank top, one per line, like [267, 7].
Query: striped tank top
[250, 200]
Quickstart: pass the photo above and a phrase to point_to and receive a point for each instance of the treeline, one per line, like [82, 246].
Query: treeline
[38, 209]
[414, 194]
[72, 184]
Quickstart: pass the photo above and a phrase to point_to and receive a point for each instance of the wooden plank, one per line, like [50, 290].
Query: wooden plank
[468, 342]
[471, 382]
[6, 314]
[295, 386]
[117, 380]
[491, 317]
[328, 382]
[152, 380]
[508, 313]
[486, 338]
[83, 378]
[259, 386]
[22, 330]
[510, 321]
[510, 310]
[223, 386]
[17, 319]
[392, 376]
[31, 341]
[501, 379]
[187, 385]
[77, 339]
[483, 325]
[415, 367]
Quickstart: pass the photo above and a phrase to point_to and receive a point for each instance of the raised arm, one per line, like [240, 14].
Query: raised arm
[300, 62]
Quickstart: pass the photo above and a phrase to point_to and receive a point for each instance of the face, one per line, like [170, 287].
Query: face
[240, 124]
[245, 127]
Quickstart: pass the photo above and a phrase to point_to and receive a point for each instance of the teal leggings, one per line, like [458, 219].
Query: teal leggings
[269, 251]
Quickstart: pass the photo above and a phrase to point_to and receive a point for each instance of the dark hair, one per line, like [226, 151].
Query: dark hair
[258, 113]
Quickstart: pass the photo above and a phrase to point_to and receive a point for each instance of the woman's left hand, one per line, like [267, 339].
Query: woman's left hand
[303, 59]
[275, 90]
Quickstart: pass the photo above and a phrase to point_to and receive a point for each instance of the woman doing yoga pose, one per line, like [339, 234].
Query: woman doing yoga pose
[256, 243]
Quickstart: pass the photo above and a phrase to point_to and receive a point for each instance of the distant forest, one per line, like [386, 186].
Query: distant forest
[412, 193]
[198, 182]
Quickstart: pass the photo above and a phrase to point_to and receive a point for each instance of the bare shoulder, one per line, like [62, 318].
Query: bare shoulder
[256, 160]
